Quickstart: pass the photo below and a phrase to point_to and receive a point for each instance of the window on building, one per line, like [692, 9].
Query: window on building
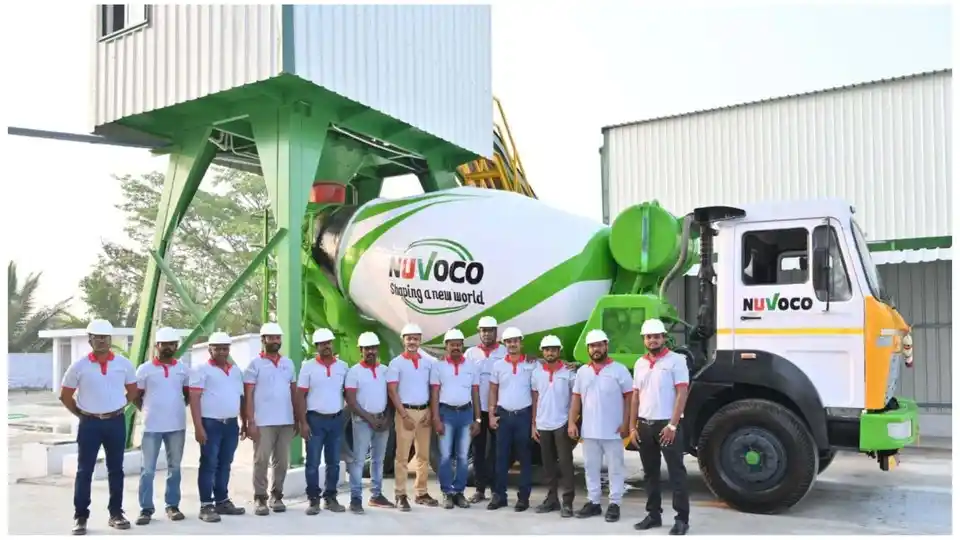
[825, 236]
[775, 257]
[117, 19]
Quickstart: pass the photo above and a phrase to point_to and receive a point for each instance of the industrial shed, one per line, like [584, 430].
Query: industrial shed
[884, 146]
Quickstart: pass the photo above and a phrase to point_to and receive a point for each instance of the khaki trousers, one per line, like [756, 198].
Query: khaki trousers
[272, 449]
[420, 438]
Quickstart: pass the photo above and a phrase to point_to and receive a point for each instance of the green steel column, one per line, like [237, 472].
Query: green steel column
[290, 139]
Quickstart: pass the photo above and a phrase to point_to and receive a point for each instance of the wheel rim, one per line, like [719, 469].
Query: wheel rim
[753, 459]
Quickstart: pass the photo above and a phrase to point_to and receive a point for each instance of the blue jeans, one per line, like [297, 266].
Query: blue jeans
[92, 433]
[456, 432]
[326, 434]
[173, 442]
[364, 437]
[514, 434]
[216, 456]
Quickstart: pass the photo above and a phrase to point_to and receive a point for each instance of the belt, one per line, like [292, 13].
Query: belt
[463, 407]
[501, 411]
[104, 416]
[416, 407]
[325, 415]
[222, 420]
[648, 422]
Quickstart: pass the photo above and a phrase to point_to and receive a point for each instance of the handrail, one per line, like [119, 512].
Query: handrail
[504, 171]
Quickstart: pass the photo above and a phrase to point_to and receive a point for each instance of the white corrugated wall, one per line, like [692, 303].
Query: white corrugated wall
[883, 146]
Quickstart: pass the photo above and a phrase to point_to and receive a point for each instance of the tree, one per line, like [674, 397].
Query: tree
[217, 238]
[24, 320]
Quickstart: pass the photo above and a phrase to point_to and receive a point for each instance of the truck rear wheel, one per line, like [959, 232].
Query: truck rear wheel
[825, 460]
[758, 456]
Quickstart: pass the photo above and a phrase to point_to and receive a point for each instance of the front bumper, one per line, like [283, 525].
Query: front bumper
[892, 429]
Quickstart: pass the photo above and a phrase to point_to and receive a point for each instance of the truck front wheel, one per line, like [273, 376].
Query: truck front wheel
[758, 456]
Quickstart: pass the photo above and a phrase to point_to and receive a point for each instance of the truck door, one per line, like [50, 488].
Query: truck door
[777, 310]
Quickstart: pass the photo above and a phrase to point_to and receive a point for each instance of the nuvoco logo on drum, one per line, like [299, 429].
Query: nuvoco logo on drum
[436, 276]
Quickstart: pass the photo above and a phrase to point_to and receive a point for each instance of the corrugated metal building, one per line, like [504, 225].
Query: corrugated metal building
[885, 146]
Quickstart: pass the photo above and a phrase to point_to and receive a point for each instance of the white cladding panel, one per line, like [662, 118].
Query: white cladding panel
[885, 147]
[186, 51]
[428, 66]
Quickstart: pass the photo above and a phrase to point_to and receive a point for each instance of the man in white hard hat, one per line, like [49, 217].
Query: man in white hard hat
[270, 386]
[96, 389]
[219, 420]
[552, 388]
[601, 392]
[366, 393]
[485, 443]
[163, 391]
[408, 384]
[511, 416]
[455, 409]
[660, 383]
[321, 416]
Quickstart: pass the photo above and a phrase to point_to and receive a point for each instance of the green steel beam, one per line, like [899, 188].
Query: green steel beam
[185, 299]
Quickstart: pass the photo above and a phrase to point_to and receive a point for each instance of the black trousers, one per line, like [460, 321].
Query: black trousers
[650, 452]
[556, 447]
[484, 455]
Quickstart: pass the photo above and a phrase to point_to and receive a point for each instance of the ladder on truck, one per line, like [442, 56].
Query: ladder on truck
[505, 171]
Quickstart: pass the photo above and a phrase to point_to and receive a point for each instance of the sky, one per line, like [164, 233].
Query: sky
[584, 67]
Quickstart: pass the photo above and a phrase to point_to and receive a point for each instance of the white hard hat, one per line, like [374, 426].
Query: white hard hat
[512, 332]
[100, 327]
[487, 322]
[596, 336]
[219, 338]
[271, 329]
[368, 339]
[652, 326]
[409, 329]
[550, 341]
[167, 335]
[321, 335]
[452, 334]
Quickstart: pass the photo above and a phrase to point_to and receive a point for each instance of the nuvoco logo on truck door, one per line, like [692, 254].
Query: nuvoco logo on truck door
[436, 276]
[778, 303]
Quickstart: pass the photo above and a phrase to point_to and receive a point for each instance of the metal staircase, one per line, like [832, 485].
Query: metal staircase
[505, 171]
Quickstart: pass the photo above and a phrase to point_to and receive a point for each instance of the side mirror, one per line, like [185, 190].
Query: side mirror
[821, 272]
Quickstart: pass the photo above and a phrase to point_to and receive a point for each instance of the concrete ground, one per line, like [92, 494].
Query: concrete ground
[852, 497]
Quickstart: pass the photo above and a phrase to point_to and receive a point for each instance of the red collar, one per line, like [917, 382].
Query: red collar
[166, 367]
[226, 366]
[488, 350]
[515, 363]
[552, 368]
[275, 358]
[322, 361]
[373, 368]
[103, 364]
[413, 357]
[653, 359]
[598, 366]
[451, 362]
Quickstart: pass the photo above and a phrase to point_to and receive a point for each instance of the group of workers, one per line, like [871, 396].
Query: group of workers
[490, 396]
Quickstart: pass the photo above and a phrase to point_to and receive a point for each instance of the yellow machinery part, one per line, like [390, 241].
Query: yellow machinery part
[505, 171]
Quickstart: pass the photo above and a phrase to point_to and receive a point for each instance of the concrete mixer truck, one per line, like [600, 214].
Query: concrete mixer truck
[794, 350]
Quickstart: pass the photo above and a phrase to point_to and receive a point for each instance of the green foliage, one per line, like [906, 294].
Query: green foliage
[24, 319]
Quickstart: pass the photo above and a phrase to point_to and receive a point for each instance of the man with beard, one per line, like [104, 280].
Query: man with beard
[408, 385]
[511, 416]
[163, 394]
[484, 356]
[660, 382]
[602, 391]
[270, 383]
[552, 386]
[366, 393]
[216, 402]
[96, 389]
[455, 409]
[320, 412]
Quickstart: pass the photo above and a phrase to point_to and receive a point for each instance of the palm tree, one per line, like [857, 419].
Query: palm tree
[24, 321]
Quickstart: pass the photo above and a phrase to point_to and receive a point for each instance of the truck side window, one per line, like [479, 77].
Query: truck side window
[840, 291]
[775, 257]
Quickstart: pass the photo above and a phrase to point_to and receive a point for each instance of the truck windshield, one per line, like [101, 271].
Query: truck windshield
[869, 268]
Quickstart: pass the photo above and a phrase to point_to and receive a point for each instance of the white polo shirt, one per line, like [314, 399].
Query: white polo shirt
[162, 384]
[456, 381]
[514, 382]
[324, 384]
[411, 374]
[601, 388]
[485, 358]
[657, 378]
[554, 386]
[101, 387]
[370, 382]
[221, 389]
[271, 377]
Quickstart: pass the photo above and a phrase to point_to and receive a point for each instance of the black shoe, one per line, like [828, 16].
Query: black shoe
[314, 506]
[547, 506]
[478, 497]
[649, 522]
[208, 513]
[679, 528]
[331, 504]
[227, 508]
[380, 502]
[496, 502]
[522, 505]
[79, 527]
[448, 502]
[426, 500]
[461, 501]
[589, 510]
[356, 506]
[260, 507]
[276, 503]
[144, 517]
[118, 522]
[566, 510]
[174, 514]
[613, 513]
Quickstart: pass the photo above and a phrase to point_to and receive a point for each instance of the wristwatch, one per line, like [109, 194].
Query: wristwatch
[477, 420]
[671, 427]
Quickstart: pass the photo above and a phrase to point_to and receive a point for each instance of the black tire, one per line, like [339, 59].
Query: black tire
[825, 460]
[758, 456]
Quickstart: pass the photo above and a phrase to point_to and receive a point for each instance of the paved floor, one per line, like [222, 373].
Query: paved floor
[851, 497]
